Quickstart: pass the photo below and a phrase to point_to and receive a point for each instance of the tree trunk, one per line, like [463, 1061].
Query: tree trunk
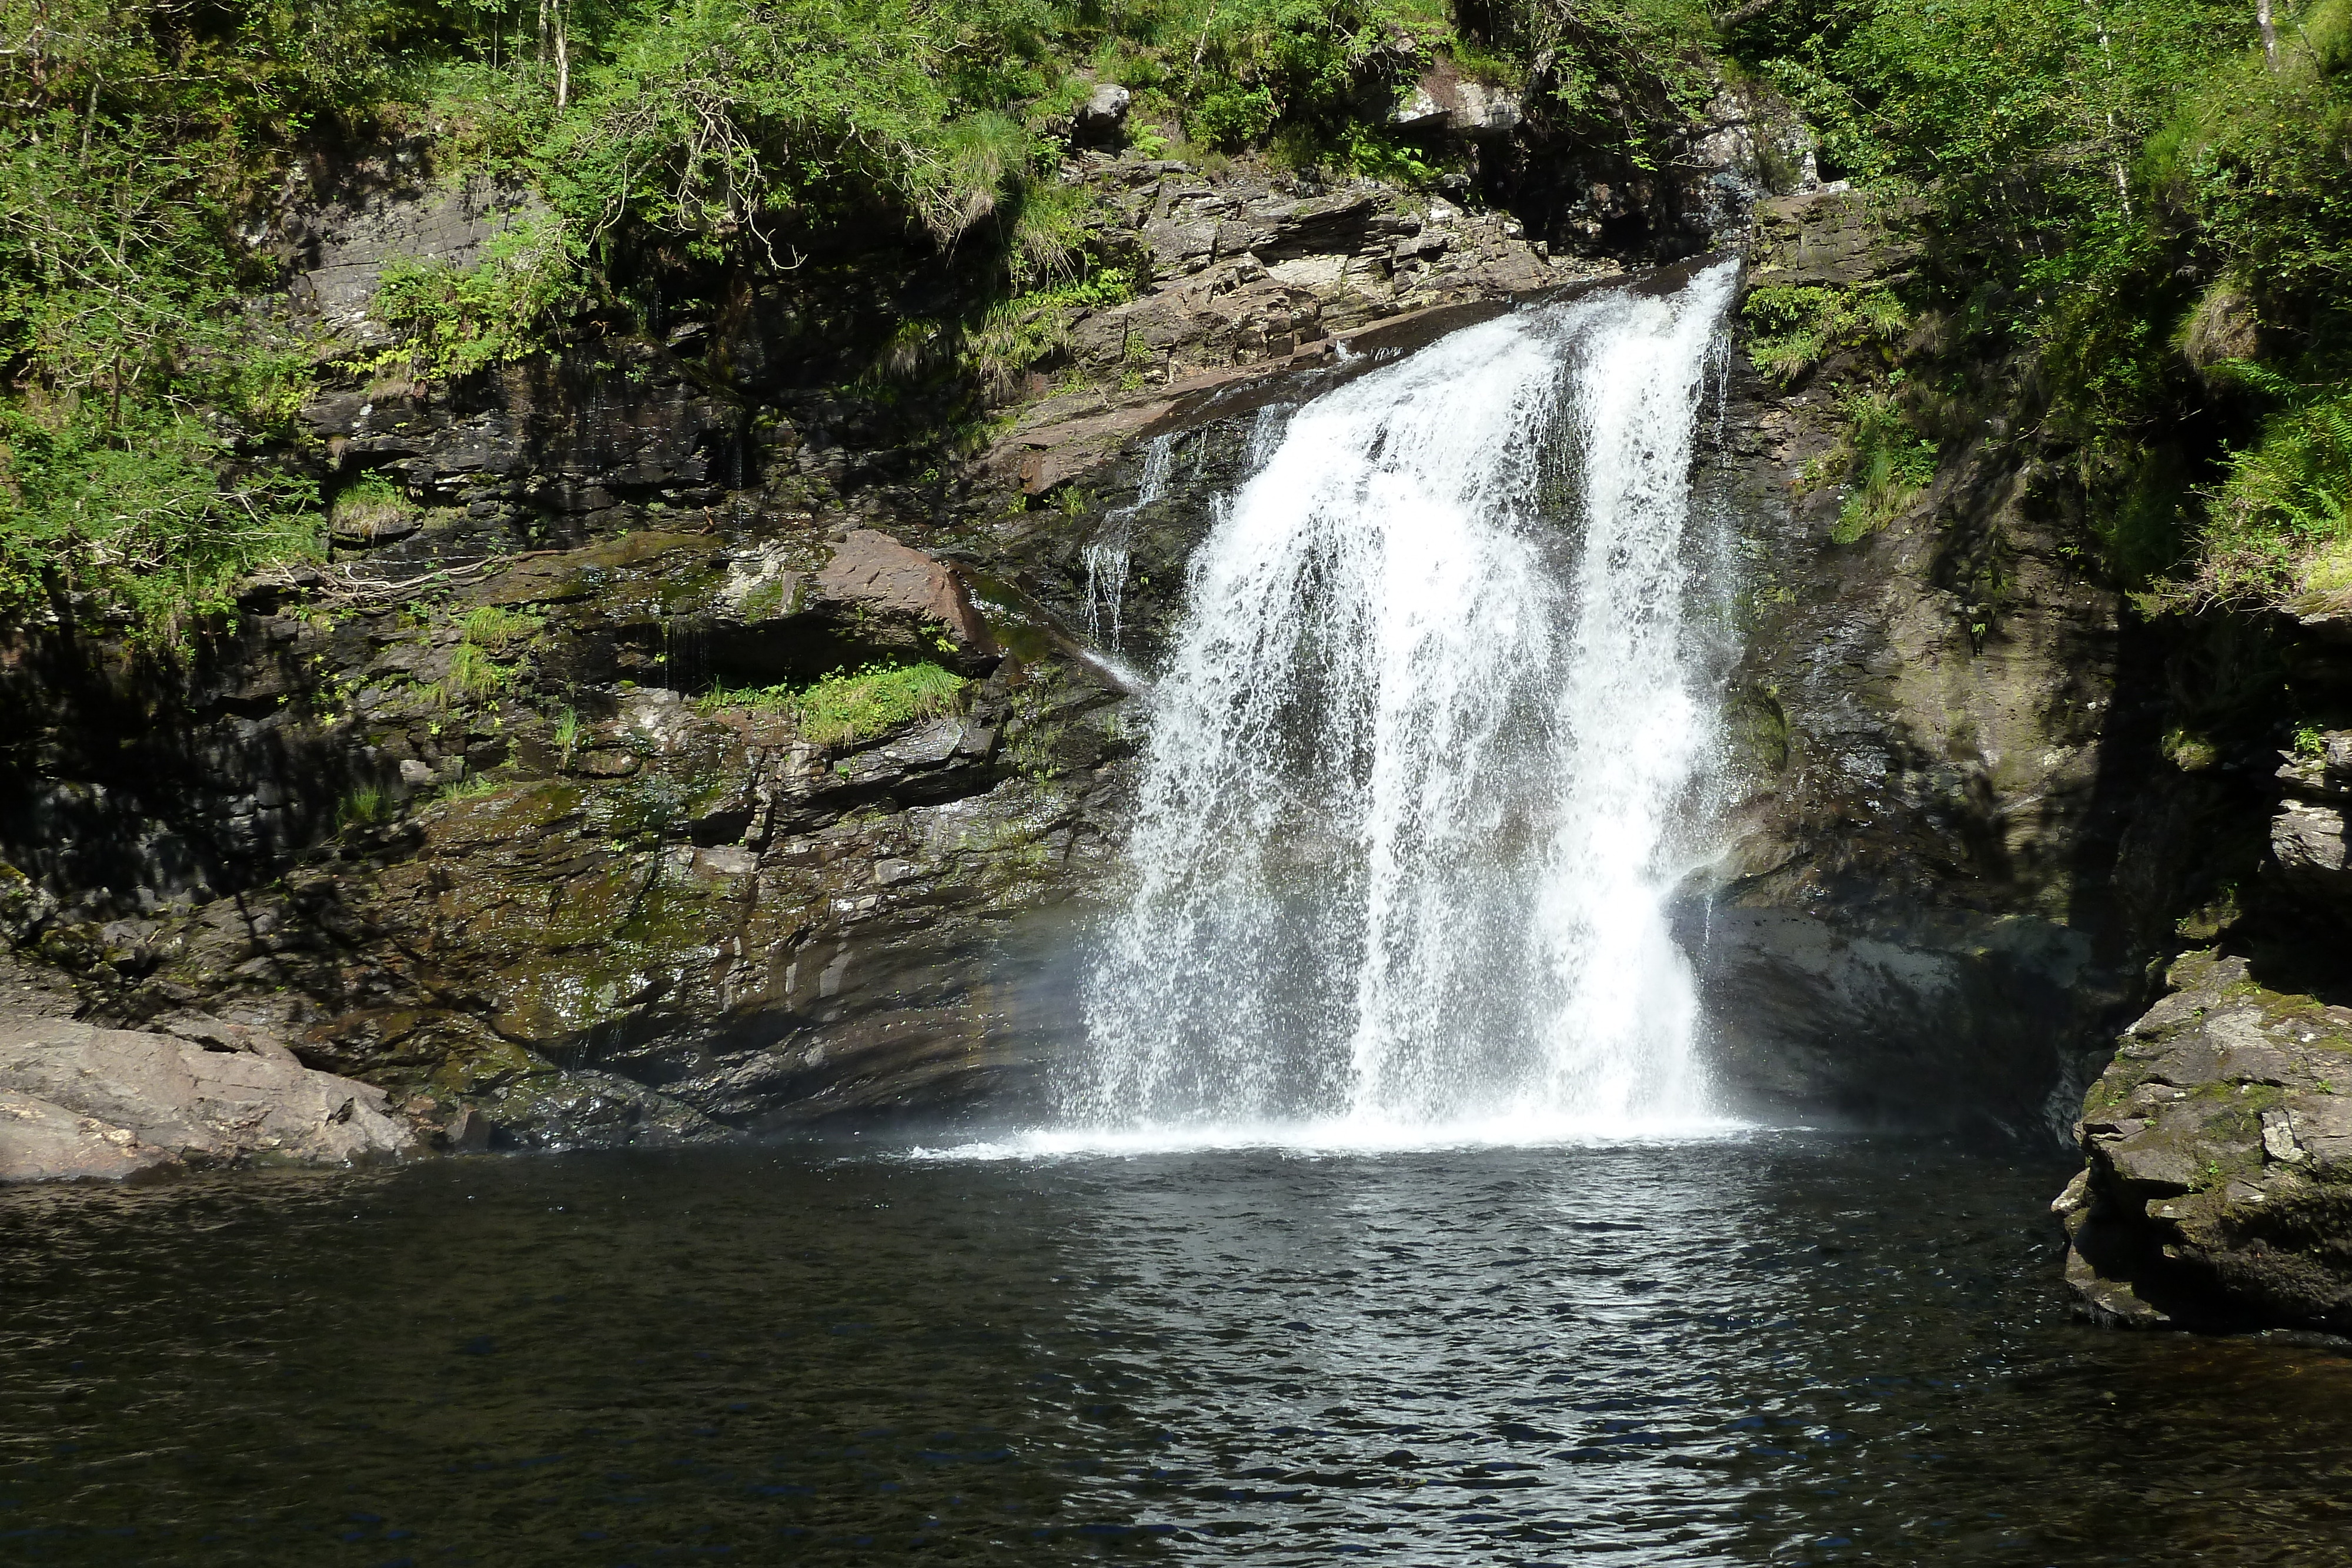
[2270, 32]
[563, 52]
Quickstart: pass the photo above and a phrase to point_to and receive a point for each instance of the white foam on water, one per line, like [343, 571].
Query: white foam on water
[1339, 1136]
[1433, 746]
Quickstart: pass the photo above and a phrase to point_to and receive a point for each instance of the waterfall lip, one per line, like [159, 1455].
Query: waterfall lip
[1345, 356]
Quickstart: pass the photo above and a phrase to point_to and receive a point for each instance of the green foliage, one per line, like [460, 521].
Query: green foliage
[1016, 333]
[470, 787]
[1883, 462]
[474, 676]
[1792, 329]
[844, 706]
[370, 506]
[1620, 73]
[1257, 63]
[709, 118]
[461, 319]
[146, 515]
[139, 140]
[2131, 196]
[2190, 750]
[500, 630]
[724, 699]
[368, 806]
[1234, 117]
[567, 731]
[2277, 526]
[128, 132]
[2022, 112]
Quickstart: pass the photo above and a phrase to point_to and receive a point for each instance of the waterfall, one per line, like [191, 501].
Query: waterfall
[1432, 746]
[1106, 555]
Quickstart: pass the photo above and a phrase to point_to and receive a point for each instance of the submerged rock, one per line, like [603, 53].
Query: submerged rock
[2218, 1191]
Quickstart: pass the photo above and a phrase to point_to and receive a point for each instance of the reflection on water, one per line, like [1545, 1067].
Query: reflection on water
[1776, 1349]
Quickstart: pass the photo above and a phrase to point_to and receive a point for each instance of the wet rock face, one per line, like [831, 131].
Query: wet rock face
[2218, 1187]
[1903, 927]
[547, 451]
[610, 914]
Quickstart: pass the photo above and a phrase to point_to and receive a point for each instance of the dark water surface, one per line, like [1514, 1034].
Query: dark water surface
[1780, 1350]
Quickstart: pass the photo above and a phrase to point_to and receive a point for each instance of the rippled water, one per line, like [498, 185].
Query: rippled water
[1776, 1350]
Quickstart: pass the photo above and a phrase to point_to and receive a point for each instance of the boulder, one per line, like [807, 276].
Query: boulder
[873, 569]
[1445, 99]
[2307, 839]
[2307, 842]
[43, 1141]
[90, 1102]
[1830, 236]
[2217, 1188]
[1101, 120]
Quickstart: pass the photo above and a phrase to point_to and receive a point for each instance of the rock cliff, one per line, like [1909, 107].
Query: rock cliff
[500, 811]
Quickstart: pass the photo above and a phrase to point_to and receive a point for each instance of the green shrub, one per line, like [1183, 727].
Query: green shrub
[2116, 197]
[711, 117]
[138, 515]
[1883, 462]
[1233, 117]
[461, 319]
[500, 630]
[2277, 528]
[1792, 329]
[844, 706]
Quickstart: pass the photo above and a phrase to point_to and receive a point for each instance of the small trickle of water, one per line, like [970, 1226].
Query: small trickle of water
[1432, 748]
[1106, 555]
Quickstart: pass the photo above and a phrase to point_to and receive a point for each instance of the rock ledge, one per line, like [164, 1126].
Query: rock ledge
[81, 1102]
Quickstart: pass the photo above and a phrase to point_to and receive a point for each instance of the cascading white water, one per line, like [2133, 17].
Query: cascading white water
[1106, 555]
[1428, 755]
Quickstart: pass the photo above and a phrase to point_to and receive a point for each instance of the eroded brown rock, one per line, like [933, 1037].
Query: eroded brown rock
[872, 568]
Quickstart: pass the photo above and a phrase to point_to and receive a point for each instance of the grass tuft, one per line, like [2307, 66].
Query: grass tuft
[845, 706]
